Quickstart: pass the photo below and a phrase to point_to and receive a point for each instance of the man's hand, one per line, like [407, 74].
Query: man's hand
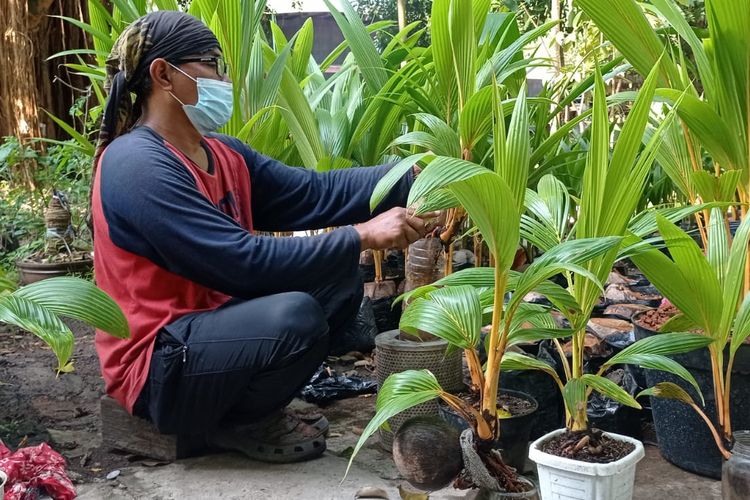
[396, 228]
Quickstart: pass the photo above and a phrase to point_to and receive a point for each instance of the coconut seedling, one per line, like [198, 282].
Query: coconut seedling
[612, 186]
[707, 289]
[455, 308]
[37, 308]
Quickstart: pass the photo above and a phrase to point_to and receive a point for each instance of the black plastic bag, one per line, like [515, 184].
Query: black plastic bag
[609, 415]
[360, 336]
[542, 387]
[387, 315]
[326, 386]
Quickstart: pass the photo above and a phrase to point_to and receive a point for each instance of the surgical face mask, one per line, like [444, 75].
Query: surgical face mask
[214, 107]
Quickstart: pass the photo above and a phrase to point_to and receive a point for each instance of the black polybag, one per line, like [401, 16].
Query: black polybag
[540, 386]
[609, 415]
[360, 336]
[326, 386]
[387, 316]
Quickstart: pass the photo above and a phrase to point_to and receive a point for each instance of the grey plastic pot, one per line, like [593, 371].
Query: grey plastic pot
[396, 355]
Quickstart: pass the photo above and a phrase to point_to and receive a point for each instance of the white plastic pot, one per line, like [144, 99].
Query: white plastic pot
[3, 478]
[575, 480]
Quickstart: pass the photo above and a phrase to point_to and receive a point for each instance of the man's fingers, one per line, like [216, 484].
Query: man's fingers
[417, 224]
[411, 234]
[428, 215]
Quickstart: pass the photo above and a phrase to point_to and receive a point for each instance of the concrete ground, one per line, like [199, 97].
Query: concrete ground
[230, 476]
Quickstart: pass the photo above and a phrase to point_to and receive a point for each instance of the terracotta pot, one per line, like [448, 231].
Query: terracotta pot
[31, 272]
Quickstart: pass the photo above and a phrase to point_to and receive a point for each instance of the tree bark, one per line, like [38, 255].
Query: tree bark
[18, 107]
[31, 83]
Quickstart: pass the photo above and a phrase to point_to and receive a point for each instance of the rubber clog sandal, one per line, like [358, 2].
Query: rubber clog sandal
[284, 439]
[317, 420]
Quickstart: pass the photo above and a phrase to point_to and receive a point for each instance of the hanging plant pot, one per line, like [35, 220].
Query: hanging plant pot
[684, 438]
[30, 271]
[514, 430]
[561, 477]
[394, 355]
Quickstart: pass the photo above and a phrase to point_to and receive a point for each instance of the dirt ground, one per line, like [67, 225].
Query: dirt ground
[36, 406]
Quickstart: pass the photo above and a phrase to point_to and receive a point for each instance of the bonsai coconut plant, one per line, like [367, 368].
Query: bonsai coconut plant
[612, 186]
[708, 291]
[712, 100]
[454, 307]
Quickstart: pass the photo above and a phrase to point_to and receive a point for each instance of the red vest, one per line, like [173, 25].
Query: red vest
[149, 295]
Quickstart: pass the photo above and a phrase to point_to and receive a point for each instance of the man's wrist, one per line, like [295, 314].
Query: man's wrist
[363, 237]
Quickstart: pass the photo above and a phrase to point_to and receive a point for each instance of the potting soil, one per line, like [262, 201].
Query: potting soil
[587, 446]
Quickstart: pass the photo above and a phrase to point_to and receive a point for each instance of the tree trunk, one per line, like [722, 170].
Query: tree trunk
[31, 83]
[556, 15]
[18, 107]
[401, 11]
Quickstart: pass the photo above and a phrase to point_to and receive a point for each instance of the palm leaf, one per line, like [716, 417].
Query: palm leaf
[667, 390]
[41, 322]
[451, 313]
[397, 172]
[697, 273]
[517, 361]
[399, 392]
[610, 389]
[440, 173]
[370, 63]
[734, 276]
[79, 299]
[741, 329]
[489, 203]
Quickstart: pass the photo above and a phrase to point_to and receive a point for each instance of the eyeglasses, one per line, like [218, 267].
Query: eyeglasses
[222, 69]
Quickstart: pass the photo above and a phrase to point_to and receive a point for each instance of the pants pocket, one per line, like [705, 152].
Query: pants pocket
[164, 379]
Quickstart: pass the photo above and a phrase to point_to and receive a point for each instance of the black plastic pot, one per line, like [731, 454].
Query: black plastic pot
[387, 317]
[684, 438]
[514, 431]
[542, 388]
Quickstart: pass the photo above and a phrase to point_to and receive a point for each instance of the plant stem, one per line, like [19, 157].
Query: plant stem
[563, 359]
[449, 260]
[464, 409]
[727, 428]
[746, 288]
[377, 257]
[724, 452]
[579, 419]
[478, 250]
[491, 379]
[718, 378]
[475, 369]
[696, 168]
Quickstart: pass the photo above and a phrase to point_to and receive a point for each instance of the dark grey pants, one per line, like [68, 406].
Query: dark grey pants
[244, 360]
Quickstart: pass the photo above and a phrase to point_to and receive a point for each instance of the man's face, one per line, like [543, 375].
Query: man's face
[207, 65]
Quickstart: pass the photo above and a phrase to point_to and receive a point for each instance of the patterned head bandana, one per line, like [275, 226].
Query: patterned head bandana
[169, 35]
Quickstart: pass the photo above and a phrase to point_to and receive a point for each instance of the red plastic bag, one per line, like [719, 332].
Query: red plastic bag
[38, 467]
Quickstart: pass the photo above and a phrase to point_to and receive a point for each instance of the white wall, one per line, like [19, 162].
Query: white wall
[282, 6]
